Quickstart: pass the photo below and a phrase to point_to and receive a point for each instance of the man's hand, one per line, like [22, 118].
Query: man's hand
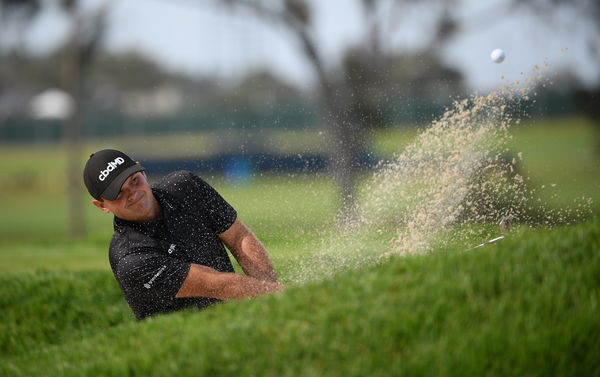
[203, 281]
[249, 252]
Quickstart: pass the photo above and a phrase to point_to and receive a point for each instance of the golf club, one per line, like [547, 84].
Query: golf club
[505, 227]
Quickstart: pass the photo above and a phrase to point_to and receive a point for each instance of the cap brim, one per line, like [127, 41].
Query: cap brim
[112, 191]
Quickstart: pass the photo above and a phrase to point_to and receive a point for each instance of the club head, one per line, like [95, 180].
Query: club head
[506, 224]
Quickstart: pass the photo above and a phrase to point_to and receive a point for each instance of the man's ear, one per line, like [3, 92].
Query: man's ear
[100, 205]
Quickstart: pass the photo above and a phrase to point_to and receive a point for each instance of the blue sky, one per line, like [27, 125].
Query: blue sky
[196, 37]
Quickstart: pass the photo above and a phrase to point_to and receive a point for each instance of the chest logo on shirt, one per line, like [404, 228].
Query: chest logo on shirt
[171, 248]
[148, 285]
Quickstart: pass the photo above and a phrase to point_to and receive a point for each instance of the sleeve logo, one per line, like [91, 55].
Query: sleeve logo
[148, 285]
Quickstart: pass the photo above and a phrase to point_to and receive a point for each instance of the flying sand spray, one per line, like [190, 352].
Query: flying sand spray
[457, 172]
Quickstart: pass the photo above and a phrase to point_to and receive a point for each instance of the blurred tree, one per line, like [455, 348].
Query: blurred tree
[109, 77]
[39, 72]
[261, 90]
[112, 77]
[86, 30]
[15, 17]
[120, 78]
[582, 15]
[129, 70]
[82, 44]
[350, 96]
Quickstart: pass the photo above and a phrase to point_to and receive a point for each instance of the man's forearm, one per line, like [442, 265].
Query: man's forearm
[249, 252]
[254, 259]
[204, 281]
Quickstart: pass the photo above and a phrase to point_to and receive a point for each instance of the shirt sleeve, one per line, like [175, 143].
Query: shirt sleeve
[221, 214]
[151, 277]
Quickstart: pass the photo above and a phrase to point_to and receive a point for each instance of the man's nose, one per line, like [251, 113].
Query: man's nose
[130, 194]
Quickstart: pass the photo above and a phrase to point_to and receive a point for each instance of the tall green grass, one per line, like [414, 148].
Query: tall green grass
[525, 306]
[50, 308]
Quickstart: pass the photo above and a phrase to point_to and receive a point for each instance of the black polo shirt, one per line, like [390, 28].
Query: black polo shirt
[150, 260]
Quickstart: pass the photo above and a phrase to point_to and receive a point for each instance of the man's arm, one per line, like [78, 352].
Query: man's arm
[249, 252]
[203, 281]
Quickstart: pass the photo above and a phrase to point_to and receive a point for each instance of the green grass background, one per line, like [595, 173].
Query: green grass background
[525, 306]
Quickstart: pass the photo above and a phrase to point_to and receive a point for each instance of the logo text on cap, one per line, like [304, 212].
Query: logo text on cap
[110, 167]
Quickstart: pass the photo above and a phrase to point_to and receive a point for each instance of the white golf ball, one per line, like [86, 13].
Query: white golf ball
[497, 56]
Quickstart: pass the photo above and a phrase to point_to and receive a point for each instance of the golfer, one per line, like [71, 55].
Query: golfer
[167, 251]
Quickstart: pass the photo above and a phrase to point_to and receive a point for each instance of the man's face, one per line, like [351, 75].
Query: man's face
[135, 201]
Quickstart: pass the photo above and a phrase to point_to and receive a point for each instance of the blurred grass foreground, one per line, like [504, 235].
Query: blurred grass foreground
[526, 306]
